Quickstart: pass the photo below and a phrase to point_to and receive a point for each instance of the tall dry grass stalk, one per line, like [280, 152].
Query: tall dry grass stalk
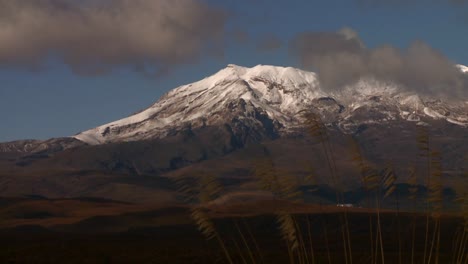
[379, 239]
[287, 187]
[284, 187]
[318, 130]
[207, 228]
[204, 223]
[244, 240]
[435, 199]
[389, 187]
[388, 182]
[277, 182]
[288, 230]
[370, 183]
[425, 153]
[203, 188]
[464, 245]
[378, 185]
[311, 180]
[254, 241]
[460, 254]
[434, 195]
[413, 191]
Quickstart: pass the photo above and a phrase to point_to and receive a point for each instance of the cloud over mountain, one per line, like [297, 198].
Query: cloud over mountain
[341, 58]
[93, 37]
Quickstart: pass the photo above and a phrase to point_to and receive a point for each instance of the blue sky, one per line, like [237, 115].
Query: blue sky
[54, 101]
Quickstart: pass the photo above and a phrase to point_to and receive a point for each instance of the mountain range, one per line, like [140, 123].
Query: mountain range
[226, 123]
[268, 98]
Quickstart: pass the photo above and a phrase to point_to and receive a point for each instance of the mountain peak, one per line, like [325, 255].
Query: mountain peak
[276, 74]
[278, 94]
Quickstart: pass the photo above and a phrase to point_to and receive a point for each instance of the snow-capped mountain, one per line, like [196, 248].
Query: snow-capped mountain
[273, 98]
[224, 123]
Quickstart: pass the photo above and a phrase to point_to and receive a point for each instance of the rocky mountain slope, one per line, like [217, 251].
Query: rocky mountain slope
[271, 100]
[263, 102]
[226, 123]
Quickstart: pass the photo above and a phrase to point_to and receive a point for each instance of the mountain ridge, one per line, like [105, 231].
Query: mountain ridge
[280, 93]
[265, 101]
[230, 123]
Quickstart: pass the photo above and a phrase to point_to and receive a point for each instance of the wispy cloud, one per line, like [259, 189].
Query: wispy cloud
[93, 37]
[341, 58]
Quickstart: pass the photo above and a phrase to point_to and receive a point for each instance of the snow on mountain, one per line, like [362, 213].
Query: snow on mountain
[247, 95]
[462, 68]
[281, 92]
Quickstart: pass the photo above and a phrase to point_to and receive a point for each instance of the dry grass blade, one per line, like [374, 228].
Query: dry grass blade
[424, 152]
[413, 190]
[265, 175]
[369, 182]
[423, 142]
[369, 177]
[209, 188]
[279, 183]
[389, 182]
[310, 179]
[289, 187]
[435, 196]
[187, 188]
[413, 183]
[203, 222]
[462, 241]
[316, 128]
[286, 187]
[202, 188]
[207, 228]
[288, 229]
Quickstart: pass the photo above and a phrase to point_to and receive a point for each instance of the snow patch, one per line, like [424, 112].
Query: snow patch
[429, 112]
[462, 68]
[412, 101]
[457, 122]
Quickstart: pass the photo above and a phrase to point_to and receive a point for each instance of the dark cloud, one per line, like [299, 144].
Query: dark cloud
[341, 58]
[93, 37]
[331, 54]
[269, 42]
[319, 44]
